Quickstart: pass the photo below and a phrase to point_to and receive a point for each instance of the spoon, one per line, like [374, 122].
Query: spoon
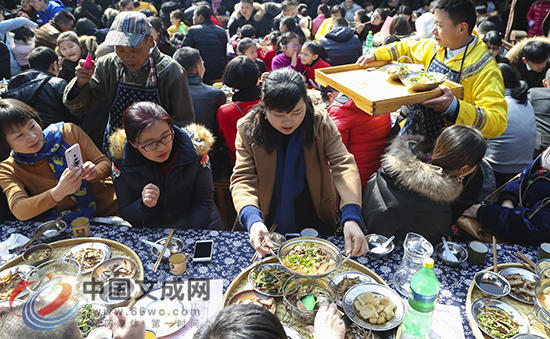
[449, 256]
[157, 246]
[382, 248]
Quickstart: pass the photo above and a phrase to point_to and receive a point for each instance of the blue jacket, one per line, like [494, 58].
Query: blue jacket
[46, 15]
[529, 224]
[342, 46]
[186, 193]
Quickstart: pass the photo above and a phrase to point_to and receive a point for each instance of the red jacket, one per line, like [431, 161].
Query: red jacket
[267, 57]
[536, 14]
[364, 135]
[227, 117]
[309, 72]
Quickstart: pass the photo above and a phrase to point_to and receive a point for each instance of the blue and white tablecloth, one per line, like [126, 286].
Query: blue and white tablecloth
[232, 253]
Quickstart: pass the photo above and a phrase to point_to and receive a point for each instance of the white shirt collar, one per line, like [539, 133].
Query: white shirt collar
[452, 52]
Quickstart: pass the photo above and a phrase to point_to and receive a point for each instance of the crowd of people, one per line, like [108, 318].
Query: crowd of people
[131, 83]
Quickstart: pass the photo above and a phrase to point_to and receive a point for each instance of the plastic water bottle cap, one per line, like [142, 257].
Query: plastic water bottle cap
[429, 263]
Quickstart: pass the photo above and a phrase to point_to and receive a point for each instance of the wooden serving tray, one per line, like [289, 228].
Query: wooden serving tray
[373, 91]
[526, 310]
[117, 250]
[241, 283]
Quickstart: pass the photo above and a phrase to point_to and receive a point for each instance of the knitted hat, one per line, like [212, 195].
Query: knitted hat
[128, 29]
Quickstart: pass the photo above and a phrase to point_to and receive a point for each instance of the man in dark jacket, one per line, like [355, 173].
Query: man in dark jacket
[210, 40]
[341, 43]
[47, 34]
[5, 69]
[40, 88]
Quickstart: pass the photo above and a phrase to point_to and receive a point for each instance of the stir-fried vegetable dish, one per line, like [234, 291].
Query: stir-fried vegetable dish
[305, 258]
[270, 279]
[498, 323]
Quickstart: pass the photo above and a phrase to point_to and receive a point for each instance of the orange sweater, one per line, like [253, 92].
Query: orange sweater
[39, 179]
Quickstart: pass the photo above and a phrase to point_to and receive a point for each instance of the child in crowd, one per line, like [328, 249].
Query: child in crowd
[248, 48]
[313, 56]
[288, 50]
[243, 75]
[494, 44]
[161, 36]
[176, 19]
[72, 48]
[24, 44]
[247, 31]
[269, 54]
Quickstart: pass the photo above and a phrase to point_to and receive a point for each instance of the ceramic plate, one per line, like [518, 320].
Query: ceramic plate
[479, 305]
[6, 288]
[174, 316]
[88, 266]
[363, 278]
[259, 268]
[375, 289]
[291, 332]
[528, 275]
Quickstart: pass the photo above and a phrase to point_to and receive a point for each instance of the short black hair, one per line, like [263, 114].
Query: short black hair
[85, 26]
[41, 58]
[13, 113]
[204, 10]
[188, 58]
[492, 38]
[22, 33]
[338, 8]
[340, 22]
[245, 44]
[241, 73]
[63, 16]
[485, 25]
[535, 51]
[147, 12]
[458, 11]
[178, 14]
[248, 31]
[289, 22]
[403, 9]
[285, 4]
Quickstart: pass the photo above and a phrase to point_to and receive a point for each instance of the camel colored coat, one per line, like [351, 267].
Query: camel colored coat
[330, 168]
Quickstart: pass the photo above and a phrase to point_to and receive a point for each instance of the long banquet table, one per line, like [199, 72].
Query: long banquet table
[232, 254]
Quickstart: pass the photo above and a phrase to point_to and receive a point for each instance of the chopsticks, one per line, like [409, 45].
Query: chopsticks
[519, 261]
[161, 254]
[495, 254]
[526, 259]
[39, 234]
[255, 256]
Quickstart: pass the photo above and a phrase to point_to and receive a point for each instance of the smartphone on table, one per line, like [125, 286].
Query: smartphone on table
[203, 251]
[74, 156]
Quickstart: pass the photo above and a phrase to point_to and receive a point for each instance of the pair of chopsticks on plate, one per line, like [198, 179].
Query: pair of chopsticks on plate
[255, 256]
[528, 262]
[39, 234]
[161, 254]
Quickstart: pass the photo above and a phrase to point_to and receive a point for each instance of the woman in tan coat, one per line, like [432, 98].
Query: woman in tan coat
[290, 163]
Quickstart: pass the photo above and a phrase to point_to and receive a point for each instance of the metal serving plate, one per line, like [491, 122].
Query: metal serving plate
[477, 309]
[97, 245]
[334, 251]
[363, 278]
[261, 268]
[525, 274]
[375, 289]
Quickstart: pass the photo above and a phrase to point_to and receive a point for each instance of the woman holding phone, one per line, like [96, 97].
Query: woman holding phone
[290, 160]
[34, 175]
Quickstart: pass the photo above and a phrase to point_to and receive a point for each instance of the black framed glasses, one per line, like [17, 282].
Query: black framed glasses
[153, 145]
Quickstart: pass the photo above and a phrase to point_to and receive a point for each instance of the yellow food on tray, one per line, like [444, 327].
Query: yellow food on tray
[375, 309]
[9, 282]
[305, 258]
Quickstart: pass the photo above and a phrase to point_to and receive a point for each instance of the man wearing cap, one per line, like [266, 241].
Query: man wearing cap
[137, 71]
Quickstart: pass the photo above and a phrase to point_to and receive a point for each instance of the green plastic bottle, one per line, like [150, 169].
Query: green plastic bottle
[422, 300]
[369, 43]
[182, 28]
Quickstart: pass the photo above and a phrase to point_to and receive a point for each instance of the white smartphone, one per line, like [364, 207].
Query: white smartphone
[74, 157]
[203, 251]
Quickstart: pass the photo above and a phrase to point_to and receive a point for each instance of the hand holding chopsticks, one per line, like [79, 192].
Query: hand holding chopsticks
[39, 234]
[161, 254]
[262, 237]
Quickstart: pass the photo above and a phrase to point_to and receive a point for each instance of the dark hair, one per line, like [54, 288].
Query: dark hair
[157, 24]
[221, 10]
[245, 44]
[22, 33]
[248, 31]
[400, 26]
[383, 13]
[492, 38]
[364, 18]
[390, 39]
[41, 58]
[242, 321]
[458, 11]
[285, 4]
[188, 58]
[360, 12]
[324, 93]
[13, 113]
[458, 146]
[204, 10]
[485, 25]
[241, 73]
[247, 2]
[63, 16]
[519, 88]
[178, 14]
[123, 3]
[285, 39]
[482, 9]
[325, 10]
[367, 3]
[340, 22]
[300, 8]
[289, 22]
[147, 12]
[535, 51]
[404, 9]
[274, 37]
[316, 48]
[336, 9]
[141, 115]
[85, 26]
[282, 90]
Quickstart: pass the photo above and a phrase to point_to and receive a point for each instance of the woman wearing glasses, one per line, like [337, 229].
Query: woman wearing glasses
[161, 173]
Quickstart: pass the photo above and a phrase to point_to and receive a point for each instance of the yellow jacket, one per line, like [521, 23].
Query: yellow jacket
[483, 106]
[325, 27]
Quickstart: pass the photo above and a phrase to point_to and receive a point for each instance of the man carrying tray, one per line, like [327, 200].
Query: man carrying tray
[458, 51]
